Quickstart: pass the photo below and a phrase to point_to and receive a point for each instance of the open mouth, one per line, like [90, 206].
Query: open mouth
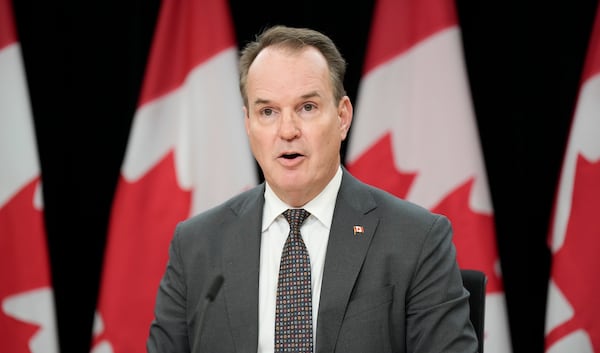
[291, 155]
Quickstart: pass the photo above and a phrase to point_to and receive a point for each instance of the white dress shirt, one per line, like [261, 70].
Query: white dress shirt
[275, 229]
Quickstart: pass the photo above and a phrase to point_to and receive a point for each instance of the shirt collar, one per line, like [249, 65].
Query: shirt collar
[321, 207]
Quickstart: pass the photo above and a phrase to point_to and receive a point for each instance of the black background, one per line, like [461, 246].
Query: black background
[85, 62]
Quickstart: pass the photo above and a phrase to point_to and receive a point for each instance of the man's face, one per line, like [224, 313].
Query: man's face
[295, 127]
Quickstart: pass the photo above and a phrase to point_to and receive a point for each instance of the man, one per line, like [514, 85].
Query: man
[382, 272]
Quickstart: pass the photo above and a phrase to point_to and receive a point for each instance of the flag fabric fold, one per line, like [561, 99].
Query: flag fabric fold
[27, 315]
[187, 151]
[572, 310]
[415, 135]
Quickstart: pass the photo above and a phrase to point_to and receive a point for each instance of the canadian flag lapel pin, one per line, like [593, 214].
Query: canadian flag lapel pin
[358, 230]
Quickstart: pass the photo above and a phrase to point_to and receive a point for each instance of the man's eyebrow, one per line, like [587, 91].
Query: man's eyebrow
[259, 101]
[311, 95]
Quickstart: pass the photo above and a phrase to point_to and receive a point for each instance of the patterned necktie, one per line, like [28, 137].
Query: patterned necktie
[293, 311]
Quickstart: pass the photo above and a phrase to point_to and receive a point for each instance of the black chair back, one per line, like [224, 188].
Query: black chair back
[475, 282]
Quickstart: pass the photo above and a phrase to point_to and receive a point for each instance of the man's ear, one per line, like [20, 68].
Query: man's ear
[246, 120]
[345, 112]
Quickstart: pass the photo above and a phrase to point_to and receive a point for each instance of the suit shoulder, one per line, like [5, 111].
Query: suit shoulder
[235, 205]
[389, 205]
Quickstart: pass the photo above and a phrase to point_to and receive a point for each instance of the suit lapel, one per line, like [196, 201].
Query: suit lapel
[345, 255]
[240, 267]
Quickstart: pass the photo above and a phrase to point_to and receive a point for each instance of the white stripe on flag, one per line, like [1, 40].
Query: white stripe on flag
[415, 135]
[27, 317]
[571, 307]
[187, 151]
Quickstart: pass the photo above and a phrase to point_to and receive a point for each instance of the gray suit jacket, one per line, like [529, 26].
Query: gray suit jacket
[394, 288]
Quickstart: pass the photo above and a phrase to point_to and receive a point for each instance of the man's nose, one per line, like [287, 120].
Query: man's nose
[289, 127]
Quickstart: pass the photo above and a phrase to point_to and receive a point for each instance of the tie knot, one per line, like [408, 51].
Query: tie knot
[295, 217]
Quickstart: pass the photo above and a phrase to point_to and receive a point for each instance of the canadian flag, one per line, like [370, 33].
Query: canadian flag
[415, 135]
[187, 151]
[572, 314]
[27, 317]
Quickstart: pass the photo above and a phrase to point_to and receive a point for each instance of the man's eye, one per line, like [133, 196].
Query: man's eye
[268, 112]
[308, 107]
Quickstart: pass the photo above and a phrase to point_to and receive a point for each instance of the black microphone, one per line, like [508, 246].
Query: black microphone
[213, 290]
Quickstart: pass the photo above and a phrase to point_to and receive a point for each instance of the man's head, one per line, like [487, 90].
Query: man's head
[295, 39]
[296, 110]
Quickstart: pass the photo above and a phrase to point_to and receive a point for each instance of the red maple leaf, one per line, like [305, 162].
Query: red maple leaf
[474, 233]
[576, 266]
[24, 262]
[376, 167]
[144, 216]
